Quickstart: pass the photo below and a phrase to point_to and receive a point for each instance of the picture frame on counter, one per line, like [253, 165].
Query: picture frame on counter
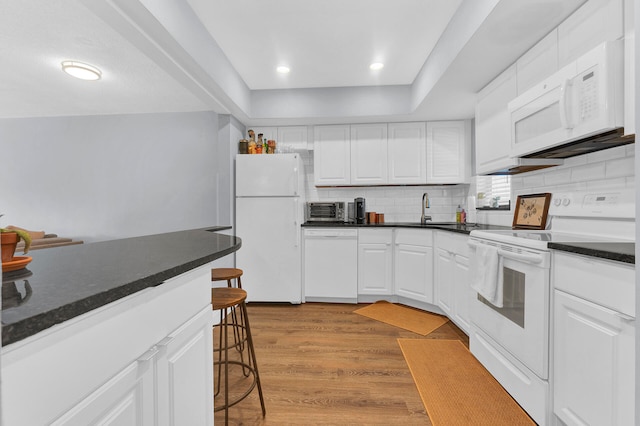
[531, 211]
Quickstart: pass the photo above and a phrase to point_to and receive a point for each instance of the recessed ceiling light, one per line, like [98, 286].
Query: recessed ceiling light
[376, 66]
[81, 70]
[282, 69]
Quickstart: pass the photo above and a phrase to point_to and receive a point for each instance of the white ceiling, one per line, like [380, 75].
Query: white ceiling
[328, 43]
[193, 55]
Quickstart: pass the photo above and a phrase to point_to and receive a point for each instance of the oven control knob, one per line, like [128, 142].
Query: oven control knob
[566, 201]
[557, 201]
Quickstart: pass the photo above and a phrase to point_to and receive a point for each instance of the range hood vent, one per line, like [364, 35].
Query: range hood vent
[587, 145]
[524, 165]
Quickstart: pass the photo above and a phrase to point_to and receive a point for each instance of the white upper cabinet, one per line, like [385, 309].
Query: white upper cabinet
[629, 69]
[406, 153]
[332, 156]
[593, 23]
[292, 136]
[368, 154]
[493, 129]
[538, 63]
[448, 151]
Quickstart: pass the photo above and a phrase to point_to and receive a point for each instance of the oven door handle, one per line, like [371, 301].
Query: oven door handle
[531, 258]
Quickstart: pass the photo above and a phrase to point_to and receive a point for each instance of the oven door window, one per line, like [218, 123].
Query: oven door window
[513, 301]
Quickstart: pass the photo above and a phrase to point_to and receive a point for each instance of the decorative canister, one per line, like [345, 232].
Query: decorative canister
[244, 146]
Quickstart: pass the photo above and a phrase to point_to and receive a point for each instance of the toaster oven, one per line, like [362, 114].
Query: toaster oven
[333, 211]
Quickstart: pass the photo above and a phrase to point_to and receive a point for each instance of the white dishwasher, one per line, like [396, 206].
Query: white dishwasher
[331, 265]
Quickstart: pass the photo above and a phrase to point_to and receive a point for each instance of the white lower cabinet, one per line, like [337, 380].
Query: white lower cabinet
[593, 344]
[375, 262]
[413, 264]
[452, 290]
[146, 359]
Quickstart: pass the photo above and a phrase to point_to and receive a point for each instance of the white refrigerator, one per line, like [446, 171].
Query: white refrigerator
[269, 212]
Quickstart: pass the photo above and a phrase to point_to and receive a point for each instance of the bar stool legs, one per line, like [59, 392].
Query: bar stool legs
[223, 300]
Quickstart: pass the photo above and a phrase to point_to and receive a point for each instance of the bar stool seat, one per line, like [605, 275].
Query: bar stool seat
[227, 300]
[227, 274]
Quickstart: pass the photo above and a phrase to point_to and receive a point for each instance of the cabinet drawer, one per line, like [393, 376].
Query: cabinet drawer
[452, 242]
[415, 237]
[609, 284]
[375, 236]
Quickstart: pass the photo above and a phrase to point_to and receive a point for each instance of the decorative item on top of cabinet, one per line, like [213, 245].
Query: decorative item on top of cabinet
[448, 151]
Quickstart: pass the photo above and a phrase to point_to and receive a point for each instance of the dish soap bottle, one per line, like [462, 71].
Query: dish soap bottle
[458, 214]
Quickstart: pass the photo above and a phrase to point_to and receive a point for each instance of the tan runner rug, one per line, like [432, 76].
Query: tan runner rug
[455, 388]
[402, 316]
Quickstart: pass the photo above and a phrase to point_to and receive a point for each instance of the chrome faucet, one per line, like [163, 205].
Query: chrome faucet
[425, 205]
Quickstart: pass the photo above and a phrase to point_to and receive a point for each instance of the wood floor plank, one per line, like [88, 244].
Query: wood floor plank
[321, 364]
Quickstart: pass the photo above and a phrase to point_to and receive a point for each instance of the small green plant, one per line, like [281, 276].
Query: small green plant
[23, 235]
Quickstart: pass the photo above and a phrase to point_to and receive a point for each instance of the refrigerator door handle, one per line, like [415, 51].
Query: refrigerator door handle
[295, 173]
[296, 243]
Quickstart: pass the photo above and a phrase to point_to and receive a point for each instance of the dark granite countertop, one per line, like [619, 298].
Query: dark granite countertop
[462, 228]
[66, 282]
[621, 252]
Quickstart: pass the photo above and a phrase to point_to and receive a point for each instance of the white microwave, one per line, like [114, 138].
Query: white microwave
[583, 99]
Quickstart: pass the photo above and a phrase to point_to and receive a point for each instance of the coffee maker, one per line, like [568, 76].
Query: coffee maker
[360, 210]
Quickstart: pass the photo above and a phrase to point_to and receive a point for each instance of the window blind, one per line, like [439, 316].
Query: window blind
[492, 187]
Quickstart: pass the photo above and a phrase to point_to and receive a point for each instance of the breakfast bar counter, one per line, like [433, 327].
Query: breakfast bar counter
[65, 282]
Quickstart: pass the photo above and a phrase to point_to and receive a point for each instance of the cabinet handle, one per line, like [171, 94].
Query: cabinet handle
[148, 355]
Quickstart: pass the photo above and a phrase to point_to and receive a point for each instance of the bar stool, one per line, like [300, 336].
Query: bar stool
[224, 299]
[227, 274]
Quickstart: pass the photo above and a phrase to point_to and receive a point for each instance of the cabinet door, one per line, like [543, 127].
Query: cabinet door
[463, 294]
[444, 281]
[413, 264]
[594, 360]
[538, 63]
[332, 155]
[293, 136]
[125, 400]
[375, 261]
[593, 23]
[185, 373]
[406, 153]
[447, 152]
[493, 123]
[369, 154]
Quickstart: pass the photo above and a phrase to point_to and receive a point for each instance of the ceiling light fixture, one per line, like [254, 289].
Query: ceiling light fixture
[81, 70]
[376, 66]
[282, 69]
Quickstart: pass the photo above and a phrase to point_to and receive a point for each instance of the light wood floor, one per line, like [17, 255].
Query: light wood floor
[321, 364]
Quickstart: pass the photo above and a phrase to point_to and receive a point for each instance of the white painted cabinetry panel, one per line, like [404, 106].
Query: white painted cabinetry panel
[368, 154]
[593, 23]
[332, 155]
[375, 261]
[407, 145]
[448, 151]
[413, 264]
[493, 123]
[538, 63]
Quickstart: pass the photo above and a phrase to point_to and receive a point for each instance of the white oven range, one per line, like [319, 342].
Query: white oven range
[512, 339]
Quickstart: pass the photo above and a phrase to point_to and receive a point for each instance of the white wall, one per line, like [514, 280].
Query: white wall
[104, 177]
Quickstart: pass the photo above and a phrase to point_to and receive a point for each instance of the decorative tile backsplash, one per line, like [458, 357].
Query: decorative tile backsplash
[609, 169]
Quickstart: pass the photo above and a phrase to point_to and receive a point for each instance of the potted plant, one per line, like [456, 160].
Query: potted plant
[10, 238]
